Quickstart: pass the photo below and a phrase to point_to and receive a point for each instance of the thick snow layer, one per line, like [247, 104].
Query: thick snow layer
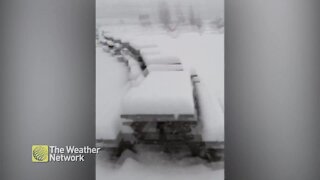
[111, 79]
[160, 59]
[202, 53]
[205, 54]
[156, 169]
[212, 115]
[138, 45]
[165, 67]
[161, 93]
[134, 68]
[150, 51]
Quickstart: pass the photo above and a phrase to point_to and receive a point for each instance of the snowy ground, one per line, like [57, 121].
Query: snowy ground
[202, 52]
[134, 170]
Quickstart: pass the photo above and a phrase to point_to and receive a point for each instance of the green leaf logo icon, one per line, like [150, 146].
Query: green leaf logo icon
[40, 153]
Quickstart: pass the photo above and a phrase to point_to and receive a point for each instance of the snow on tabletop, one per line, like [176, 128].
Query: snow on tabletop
[125, 40]
[116, 37]
[150, 51]
[161, 93]
[138, 45]
[165, 67]
[160, 59]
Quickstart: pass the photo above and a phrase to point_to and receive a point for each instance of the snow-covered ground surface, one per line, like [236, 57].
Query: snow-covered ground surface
[134, 170]
[203, 53]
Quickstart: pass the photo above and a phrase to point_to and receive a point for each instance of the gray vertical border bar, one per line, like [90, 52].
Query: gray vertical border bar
[272, 90]
[47, 85]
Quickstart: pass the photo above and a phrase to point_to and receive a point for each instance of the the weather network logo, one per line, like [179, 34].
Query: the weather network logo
[40, 153]
[47, 153]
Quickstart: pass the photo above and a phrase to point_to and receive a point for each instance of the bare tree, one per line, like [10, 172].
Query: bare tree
[218, 23]
[164, 14]
[192, 17]
[144, 20]
[198, 23]
[180, 16]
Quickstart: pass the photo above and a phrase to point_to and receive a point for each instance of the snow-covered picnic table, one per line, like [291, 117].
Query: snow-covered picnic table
[161, 92]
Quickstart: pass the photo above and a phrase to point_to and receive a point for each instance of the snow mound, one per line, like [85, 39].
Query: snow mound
[111, 86]
[161, 92]
[134, 68]
[133, 170]
[212, 115]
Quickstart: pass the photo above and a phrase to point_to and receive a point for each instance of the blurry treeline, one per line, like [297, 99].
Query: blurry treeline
[170, 15]
[173, 18]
